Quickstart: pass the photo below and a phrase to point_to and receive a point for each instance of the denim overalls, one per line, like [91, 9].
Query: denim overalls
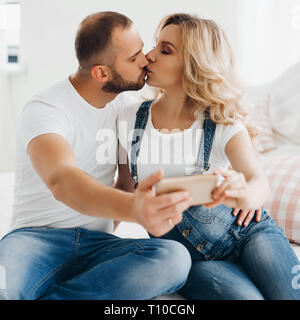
[208, 233]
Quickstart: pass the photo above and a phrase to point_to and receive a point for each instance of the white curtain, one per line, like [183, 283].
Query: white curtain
[269, 38]
[7, 117]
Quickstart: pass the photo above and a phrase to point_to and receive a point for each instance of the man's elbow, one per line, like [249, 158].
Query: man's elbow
[56, 189]
[57, 184]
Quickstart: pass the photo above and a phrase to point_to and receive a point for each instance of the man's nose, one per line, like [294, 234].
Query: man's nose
[145, 61]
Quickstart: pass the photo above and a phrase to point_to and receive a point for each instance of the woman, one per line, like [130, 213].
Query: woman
[192, 63]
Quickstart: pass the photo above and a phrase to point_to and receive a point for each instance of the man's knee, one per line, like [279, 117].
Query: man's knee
[173, 261]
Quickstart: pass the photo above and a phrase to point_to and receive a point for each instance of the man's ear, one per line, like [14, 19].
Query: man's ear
[100, 73]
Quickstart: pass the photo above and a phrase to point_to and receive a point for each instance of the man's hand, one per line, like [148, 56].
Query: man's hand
[158, 214]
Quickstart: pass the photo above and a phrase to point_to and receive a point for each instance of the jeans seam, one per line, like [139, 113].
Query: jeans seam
[76, 244]
[223, 220]
[47, 277]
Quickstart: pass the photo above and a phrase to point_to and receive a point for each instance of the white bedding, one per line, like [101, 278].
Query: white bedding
[284, 147]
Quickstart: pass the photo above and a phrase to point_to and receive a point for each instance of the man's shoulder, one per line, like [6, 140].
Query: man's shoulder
[51, 98]
[52, 92]
[128, 109]
[124, 99]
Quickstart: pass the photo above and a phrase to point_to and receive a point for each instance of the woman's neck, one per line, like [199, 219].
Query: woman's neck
[173, 110]
[173, 105]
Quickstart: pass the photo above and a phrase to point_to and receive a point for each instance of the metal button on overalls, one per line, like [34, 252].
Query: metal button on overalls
[200, 246]
[185, 233]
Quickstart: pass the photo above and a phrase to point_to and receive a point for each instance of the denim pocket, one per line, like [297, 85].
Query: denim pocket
[201, 214]
[264, 215]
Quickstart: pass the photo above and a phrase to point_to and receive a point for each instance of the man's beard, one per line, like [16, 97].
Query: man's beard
[118, 84]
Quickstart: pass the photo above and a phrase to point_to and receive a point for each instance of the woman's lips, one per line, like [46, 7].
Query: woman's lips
[148, 71]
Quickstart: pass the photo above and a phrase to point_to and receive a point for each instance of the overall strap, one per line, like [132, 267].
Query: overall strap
[207, 138]
[139, 127]
[205, 147]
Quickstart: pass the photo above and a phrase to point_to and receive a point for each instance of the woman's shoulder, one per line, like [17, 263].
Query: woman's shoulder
[224, 132]
[235, 124]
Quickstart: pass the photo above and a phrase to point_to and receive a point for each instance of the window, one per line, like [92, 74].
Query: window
[10, 17]
[268, 38]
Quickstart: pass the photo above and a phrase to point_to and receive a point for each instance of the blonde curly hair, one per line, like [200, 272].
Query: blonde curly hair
[209, 76]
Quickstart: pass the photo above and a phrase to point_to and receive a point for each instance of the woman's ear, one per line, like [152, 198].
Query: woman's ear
[100, 73]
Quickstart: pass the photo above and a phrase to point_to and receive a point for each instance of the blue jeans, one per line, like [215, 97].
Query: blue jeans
[235, 262]
[43, 263]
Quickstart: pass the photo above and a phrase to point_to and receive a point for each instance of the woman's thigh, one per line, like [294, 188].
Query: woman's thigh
[270, 260]
[219, 280]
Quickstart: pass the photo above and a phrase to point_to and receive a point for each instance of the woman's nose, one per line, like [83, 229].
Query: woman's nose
[150, 56]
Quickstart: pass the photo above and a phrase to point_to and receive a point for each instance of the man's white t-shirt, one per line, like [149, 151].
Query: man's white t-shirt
[91, 133]
[174, 152]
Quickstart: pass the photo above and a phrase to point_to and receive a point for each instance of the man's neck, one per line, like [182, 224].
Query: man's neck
[90, 91]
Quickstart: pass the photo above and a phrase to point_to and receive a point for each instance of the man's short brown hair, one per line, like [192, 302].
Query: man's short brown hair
[93, 38]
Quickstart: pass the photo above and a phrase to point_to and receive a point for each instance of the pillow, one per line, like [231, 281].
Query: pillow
[285, 104]
[259, 117]
[283, 172]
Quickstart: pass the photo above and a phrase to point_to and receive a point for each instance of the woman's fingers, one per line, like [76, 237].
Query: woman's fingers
[249, 217]
[230, 182]
[219, 190]
[224, 172]
[246, 216]
[258, 215]
[241, 217]
[235, 211]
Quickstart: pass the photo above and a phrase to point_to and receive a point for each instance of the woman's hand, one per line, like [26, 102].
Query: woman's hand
[234, 189]
[246, 216]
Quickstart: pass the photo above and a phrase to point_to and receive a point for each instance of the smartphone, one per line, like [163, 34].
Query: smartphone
[199, 186]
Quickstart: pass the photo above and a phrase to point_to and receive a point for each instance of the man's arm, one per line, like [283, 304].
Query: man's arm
[55, 162]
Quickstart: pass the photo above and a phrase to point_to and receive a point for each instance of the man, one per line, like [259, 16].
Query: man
[60, 244]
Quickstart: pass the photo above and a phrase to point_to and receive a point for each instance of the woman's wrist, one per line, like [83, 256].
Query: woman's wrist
[255, 195]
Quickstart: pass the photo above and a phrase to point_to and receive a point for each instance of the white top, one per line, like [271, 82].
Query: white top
[91, 133]
[175, 152]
